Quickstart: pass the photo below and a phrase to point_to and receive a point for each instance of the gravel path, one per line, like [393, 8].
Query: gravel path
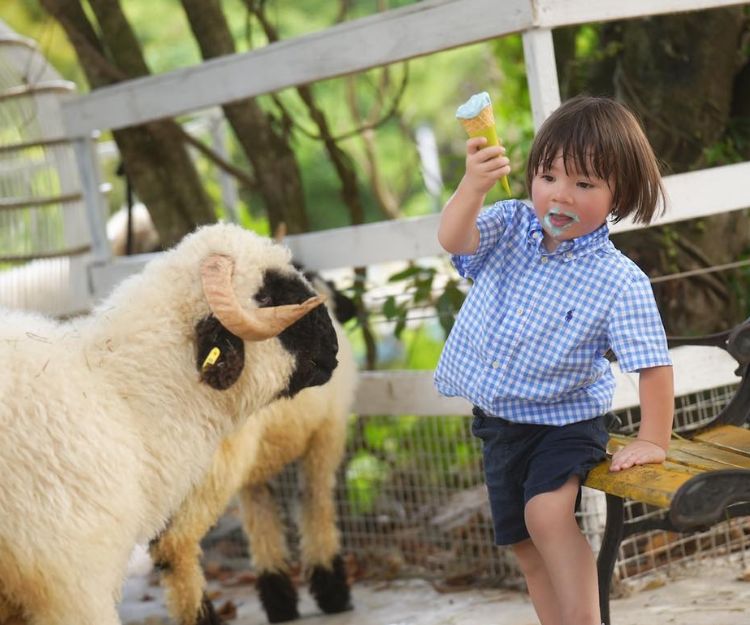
[709, 593]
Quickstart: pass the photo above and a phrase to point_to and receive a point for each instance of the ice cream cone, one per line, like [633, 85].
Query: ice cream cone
[483, 125]
[476, 126]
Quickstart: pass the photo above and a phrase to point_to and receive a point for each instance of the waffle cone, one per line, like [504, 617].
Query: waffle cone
[485, 119]
[483, 125]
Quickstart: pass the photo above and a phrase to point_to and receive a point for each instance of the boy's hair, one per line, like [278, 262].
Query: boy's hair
[601, 137]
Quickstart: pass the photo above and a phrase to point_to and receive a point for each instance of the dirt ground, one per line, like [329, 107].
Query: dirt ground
[712, 592]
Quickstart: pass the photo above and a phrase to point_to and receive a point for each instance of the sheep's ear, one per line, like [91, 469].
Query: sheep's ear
[344, 306]
[219, 354]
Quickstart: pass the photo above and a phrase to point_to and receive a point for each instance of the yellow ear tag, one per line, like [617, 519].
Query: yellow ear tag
[211, 359]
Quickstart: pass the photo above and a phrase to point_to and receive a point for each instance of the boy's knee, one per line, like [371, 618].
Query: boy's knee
[541, 525]
[528, 557]
[547, 514]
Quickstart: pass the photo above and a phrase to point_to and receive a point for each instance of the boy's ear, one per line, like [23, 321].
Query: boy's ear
[219, 354]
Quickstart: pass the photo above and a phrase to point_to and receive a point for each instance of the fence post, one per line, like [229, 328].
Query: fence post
[541, 73]
[89, 173]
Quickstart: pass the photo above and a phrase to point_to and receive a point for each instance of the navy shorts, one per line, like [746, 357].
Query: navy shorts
[522, 460]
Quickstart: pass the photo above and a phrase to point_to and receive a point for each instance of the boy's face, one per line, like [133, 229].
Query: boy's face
[569, 204]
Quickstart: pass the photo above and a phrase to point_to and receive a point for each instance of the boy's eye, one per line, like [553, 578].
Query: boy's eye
[546, 177]
[585, 185]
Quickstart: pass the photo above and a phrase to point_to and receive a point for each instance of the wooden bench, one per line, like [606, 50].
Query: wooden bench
[705, 479]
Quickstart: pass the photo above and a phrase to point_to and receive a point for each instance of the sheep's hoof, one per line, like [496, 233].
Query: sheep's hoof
[330, 588]
[278, 596]
[206, 614]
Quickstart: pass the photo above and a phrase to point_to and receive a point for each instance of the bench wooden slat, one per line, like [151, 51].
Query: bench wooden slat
[729, 437]
[698, 454]
[653, 484]
[706, 457]
[721, 448]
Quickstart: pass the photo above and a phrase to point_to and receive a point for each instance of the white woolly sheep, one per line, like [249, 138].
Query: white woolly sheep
[310, 427]
[108, 421]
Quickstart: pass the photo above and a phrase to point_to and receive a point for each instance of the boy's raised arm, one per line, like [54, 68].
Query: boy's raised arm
[458, 232]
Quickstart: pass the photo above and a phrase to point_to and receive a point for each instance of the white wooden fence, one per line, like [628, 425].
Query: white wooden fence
[396, 35]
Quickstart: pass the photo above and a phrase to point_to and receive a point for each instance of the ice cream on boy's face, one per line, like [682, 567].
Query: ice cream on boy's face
[557, 221]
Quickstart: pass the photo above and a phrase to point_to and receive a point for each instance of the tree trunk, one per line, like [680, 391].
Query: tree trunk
[677, 74]
[155, 156]
[277, 173]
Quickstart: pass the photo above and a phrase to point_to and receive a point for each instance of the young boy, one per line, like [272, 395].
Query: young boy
[551, 295]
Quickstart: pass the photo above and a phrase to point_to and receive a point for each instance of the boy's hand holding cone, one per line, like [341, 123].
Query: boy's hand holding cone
[478, 120]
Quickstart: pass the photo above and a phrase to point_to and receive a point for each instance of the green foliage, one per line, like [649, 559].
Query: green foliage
[396, 450]
[28, 18]
[733, 147]
[364, 476]
[419, 291]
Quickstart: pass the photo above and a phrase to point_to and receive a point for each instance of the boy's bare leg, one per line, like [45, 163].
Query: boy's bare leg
[567, 556]
[538, 583]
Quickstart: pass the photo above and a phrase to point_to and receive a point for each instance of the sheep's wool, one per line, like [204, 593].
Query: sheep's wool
[106, 427]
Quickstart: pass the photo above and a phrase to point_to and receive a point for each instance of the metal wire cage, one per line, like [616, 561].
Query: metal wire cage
[42, 212]
[412, 503]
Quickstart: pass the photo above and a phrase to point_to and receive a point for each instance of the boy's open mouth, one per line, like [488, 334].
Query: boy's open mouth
[556, 221]
[560, 220]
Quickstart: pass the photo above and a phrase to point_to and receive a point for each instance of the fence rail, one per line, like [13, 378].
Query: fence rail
[388, 37]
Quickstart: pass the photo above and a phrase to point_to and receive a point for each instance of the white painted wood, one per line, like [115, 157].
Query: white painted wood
[88, 169]
[106, 276]
[413, 393]
[694, 194]
[369, 244]
[391, 36]
[553, 13]
[404, 392]
[55, 286]
[395, 35]
[702, 193]
[23, 55]
[541, 73]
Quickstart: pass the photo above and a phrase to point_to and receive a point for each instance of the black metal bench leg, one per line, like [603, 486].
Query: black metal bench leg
[605, 563]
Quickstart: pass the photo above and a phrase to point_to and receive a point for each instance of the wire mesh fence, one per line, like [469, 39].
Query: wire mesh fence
[41, 203]
[411, 503]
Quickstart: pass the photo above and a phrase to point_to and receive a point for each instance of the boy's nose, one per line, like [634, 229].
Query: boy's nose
[561, 198]
[562, 195]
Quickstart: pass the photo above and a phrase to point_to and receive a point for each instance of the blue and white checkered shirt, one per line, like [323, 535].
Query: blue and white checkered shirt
[529, 341]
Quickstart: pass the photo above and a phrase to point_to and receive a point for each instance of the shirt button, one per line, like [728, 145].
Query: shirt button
[569, 255]
[495, 364]
[544, 259]
[520, 312]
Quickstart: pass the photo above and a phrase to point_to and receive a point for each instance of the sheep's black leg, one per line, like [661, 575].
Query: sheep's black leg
[278, 596]
[207, 615]
[330, 588]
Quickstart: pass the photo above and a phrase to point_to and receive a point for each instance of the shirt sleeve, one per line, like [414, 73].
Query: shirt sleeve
[491, 224]
[635, 330]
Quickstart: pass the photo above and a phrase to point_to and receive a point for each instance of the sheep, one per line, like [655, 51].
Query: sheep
[311, 427]
[109, 420]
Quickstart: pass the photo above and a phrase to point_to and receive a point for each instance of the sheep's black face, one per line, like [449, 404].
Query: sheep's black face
[344, 307]
[312, 339]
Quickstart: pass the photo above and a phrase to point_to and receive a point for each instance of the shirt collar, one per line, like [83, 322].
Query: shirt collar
[573, 248]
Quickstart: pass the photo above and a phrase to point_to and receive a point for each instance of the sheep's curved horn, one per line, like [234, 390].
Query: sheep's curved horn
[280, 232]
[256, 324]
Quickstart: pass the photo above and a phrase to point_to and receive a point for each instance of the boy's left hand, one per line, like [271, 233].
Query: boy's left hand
[637, 452]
